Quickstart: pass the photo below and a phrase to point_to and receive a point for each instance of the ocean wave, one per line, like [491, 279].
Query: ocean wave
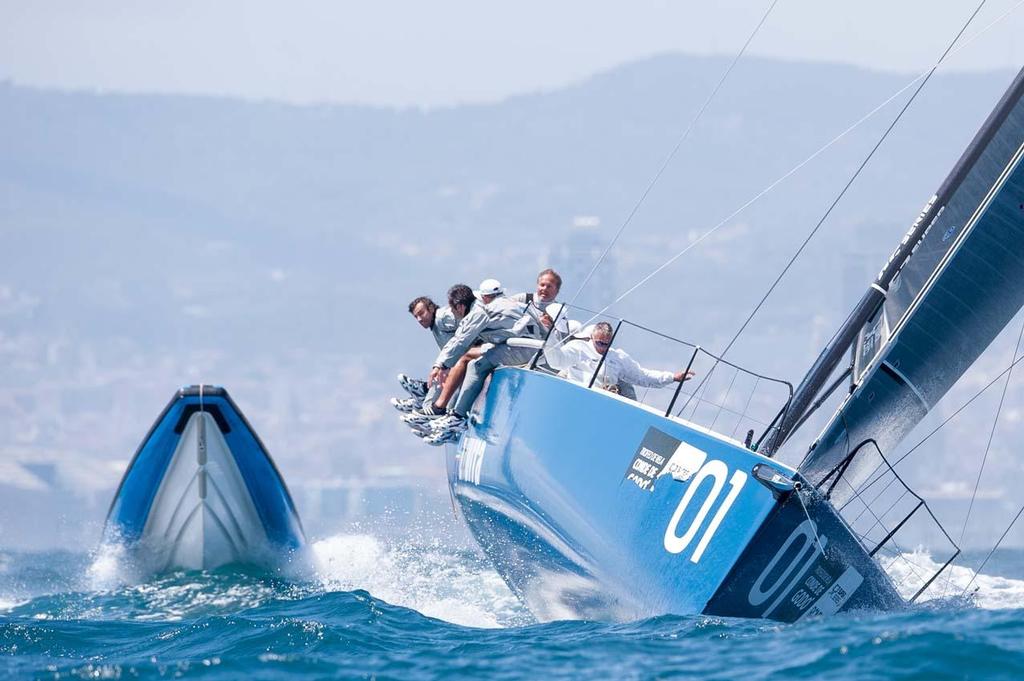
[911, 570]
[384, 608]
[448, 584]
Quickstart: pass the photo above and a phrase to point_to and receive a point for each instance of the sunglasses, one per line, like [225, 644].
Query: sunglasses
[602, 344]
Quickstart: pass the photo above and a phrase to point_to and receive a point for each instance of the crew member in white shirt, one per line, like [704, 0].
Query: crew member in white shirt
[578, 359]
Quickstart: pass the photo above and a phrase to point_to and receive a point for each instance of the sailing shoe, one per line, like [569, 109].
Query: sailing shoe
[452, 422]
[417, 420]
[414, 387]
[431, 409]
[421, 431]
[438, 438]
[406, 406]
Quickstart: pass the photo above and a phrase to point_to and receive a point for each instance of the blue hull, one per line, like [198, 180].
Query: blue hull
[591, 506]
[202, 491]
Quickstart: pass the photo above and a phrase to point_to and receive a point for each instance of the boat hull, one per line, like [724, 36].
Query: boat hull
[591, 506]
[202, 491]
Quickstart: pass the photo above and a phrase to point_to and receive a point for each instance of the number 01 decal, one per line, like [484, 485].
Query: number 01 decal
[718, 471]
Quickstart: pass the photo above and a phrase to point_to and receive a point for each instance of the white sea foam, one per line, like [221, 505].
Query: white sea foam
[453, 585]
[174, 601]
[114, 565]
[991, 592]
[109, 568]
[435, 580]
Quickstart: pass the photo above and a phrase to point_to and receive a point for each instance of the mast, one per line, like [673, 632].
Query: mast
[838, 348]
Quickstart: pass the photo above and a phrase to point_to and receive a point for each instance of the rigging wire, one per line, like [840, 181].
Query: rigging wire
[770, 187]
[988, 446]
[852, 179]
[990, 553]
[671, 155]
[991, 433]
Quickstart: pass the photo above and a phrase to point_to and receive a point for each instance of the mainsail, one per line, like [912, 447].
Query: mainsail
[951, 286]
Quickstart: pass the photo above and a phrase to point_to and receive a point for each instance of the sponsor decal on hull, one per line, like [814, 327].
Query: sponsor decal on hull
[661, 454]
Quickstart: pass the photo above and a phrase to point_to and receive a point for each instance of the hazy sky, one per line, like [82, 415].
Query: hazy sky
[441, 52]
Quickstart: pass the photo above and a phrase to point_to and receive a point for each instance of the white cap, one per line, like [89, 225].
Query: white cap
[489, 287]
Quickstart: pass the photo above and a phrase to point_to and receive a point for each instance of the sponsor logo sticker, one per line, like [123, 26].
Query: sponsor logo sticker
[650, 458]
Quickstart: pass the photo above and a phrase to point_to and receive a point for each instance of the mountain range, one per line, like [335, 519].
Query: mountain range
[155, 241]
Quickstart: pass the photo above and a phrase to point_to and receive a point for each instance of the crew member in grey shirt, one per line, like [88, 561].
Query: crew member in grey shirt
[536, 321]
[532, 321]
[484, 324]
[441, 323]
[447, 386]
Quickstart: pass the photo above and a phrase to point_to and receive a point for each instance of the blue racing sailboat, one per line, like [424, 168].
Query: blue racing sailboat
[597, 506]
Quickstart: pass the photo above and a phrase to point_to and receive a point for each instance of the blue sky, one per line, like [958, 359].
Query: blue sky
[447, 52]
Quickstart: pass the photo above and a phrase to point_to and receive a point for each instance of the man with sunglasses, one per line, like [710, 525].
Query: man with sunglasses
[578, 359]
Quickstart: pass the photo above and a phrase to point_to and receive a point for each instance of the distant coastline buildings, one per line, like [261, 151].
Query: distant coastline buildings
[574, 258]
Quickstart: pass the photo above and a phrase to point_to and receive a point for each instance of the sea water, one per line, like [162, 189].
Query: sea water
[368, 609]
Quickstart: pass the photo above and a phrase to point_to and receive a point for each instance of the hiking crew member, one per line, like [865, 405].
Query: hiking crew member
[445, 388]
[442, 323]
[486, 320]
[487, 323]
[531, 320]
